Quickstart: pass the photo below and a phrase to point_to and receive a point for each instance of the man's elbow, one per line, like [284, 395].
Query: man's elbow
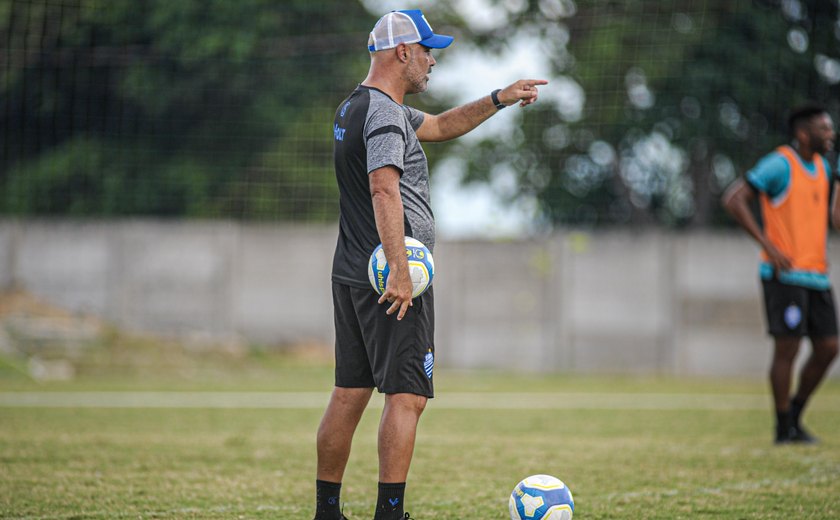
[727, 200]
[384, 193]
[378, 194]
[433, 134]
[735, 197]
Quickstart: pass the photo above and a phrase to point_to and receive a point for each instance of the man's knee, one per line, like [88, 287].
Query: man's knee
[826, 349]
[346, 405]
[407, 402]
[785, 349]
[351, 397]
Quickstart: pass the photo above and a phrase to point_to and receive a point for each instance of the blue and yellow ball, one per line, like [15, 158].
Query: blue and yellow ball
[421, 267]
[541, 497]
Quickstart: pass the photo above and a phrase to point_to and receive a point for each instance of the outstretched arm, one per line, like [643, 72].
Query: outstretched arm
[458, 121]
[737, 201]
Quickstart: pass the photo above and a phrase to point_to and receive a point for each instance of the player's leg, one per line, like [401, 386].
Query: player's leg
[403, 363]
[397, 433]
[813, 372]
[335, 433]
[335, 436]
[353, 388]
[787, 311]
[781, 369]
[781, 373]
[822, 328]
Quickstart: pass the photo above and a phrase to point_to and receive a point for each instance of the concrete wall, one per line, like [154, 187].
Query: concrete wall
[650, 302]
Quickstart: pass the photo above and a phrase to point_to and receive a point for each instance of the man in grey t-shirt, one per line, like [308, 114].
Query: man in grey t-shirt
[383, 182]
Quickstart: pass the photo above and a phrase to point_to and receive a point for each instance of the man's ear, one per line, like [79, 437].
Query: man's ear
[801, 132]
[402, 52]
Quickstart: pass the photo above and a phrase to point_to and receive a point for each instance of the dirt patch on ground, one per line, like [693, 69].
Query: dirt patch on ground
[32, 325]
[43, 341]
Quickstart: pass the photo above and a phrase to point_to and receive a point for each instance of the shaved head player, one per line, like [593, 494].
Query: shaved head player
[387, 342]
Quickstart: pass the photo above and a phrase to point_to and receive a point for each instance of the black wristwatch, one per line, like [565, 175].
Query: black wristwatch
[494, 97]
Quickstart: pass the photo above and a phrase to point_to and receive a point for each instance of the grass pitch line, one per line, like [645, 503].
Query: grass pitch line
[445, 400]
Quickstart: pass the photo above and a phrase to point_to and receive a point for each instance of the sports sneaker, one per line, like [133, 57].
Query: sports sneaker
[800, 435]
[408, 517]
[783, 433]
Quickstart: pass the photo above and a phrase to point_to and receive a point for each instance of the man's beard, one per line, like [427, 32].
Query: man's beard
[418, 83]
[819, 146]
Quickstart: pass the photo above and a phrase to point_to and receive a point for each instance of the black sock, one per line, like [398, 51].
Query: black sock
[389, 505]
[782, 423]
[327, 495]
[796, 407]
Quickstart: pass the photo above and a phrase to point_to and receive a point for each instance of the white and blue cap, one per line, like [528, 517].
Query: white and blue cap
[408, 26]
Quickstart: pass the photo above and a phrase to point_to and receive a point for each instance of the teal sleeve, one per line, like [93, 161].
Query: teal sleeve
[771, 175]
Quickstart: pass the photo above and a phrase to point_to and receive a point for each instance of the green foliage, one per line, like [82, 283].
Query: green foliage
[222, 108]
[84, 177]
[685, 95]
[167, 108]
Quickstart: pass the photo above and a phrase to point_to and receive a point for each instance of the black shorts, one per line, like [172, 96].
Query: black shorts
[798, 311]
[373, 349]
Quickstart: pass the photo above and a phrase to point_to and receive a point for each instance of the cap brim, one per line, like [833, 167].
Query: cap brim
[437, 41]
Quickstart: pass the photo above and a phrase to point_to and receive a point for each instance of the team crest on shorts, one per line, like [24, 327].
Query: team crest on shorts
[793, 316]
[429, 363]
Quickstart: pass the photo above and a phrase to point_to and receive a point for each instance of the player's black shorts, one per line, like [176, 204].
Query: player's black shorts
[373, 349]
[798, 311]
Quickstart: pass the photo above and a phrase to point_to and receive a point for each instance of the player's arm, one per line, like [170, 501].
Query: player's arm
[388, 212]
[835, 204]
[736, 200]
[458, 121]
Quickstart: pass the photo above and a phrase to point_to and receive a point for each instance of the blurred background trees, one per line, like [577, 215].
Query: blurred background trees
[187, 108]
[680, 97]
[223, 109]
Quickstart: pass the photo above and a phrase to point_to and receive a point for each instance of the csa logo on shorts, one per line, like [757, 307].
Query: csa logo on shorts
[429, 363]
[793, 316]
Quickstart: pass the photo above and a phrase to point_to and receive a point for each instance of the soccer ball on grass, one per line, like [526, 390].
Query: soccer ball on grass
[541, 497]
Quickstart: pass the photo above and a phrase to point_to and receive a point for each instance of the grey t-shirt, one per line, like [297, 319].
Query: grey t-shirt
[370, 131]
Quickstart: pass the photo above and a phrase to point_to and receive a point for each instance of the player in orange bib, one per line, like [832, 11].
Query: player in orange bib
[793, 185]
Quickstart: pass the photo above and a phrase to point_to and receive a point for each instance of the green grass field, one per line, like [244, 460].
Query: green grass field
[216, 438]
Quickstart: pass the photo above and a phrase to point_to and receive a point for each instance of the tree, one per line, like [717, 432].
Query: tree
[222, 108]
[152, 107]
[679, 99]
